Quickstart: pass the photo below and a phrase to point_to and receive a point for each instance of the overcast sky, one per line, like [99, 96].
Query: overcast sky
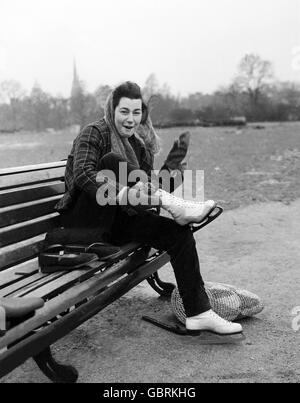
[193, 45]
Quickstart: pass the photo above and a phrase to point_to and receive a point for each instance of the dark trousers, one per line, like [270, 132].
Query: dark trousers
[161, 233]
[164, 234]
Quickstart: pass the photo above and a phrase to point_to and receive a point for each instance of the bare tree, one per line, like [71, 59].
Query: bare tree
[253, 76]
[11, 90]
[151, 87]
[12, 93]
[101, 95]
[40, 103]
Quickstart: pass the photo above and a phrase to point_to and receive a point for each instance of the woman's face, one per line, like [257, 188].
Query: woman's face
[128, 116]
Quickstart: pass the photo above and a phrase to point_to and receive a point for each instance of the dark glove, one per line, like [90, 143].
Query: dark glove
[178, 152]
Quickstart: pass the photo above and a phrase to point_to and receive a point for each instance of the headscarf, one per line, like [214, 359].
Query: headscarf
[120, 145]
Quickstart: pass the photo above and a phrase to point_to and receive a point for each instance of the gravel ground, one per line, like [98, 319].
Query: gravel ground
[255, 247]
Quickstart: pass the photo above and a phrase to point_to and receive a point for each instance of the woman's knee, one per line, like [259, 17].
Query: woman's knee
[180, 235]
[186, 234]
[183, 245]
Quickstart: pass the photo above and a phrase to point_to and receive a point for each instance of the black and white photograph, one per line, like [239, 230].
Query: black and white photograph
[149, 194]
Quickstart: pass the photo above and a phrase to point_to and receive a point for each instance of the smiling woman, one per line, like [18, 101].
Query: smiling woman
[125, 140]
[128, 108]
[125, 114]
[128, 116]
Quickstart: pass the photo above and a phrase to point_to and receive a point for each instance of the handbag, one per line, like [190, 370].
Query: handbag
[72, 248]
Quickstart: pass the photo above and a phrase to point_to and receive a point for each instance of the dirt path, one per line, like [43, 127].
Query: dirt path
[257, 248]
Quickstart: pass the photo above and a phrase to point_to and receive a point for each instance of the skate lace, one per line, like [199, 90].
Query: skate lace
[220, 319]
[185, 203]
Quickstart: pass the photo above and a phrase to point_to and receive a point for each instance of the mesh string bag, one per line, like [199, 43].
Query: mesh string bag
[227, 301]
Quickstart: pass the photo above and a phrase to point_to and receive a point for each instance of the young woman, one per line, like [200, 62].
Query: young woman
[125, 135]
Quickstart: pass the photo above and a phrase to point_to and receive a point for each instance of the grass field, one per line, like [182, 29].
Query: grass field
[242, 166]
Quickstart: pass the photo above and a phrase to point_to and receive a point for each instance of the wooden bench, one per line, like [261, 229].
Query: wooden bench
[27, 198]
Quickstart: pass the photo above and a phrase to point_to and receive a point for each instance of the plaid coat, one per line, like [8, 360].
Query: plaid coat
[82, 167]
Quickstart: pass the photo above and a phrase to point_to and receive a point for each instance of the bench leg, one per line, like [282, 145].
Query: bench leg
[56, 372]
[164, 289]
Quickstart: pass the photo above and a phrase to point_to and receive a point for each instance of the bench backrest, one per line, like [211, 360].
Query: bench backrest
[28, 195]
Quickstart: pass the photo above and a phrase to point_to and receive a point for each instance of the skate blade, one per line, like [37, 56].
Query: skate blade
[208, 337]
[203, 337]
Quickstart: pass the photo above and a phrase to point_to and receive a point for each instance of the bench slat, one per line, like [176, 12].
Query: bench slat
[14, 275]
[21, 183]
[15, 215]
[33, 281]
[68, 299]
[17, 273]
[68, 280]
[48, 288]
[23, 251]
[18, 233]
[129, 257]
[32, 177]
[30, 193]
[31, 168]
[40, 280]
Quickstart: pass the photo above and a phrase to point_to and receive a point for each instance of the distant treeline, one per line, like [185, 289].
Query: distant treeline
[253, 95]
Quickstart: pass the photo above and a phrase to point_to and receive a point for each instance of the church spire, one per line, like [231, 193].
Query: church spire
[76, 86]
